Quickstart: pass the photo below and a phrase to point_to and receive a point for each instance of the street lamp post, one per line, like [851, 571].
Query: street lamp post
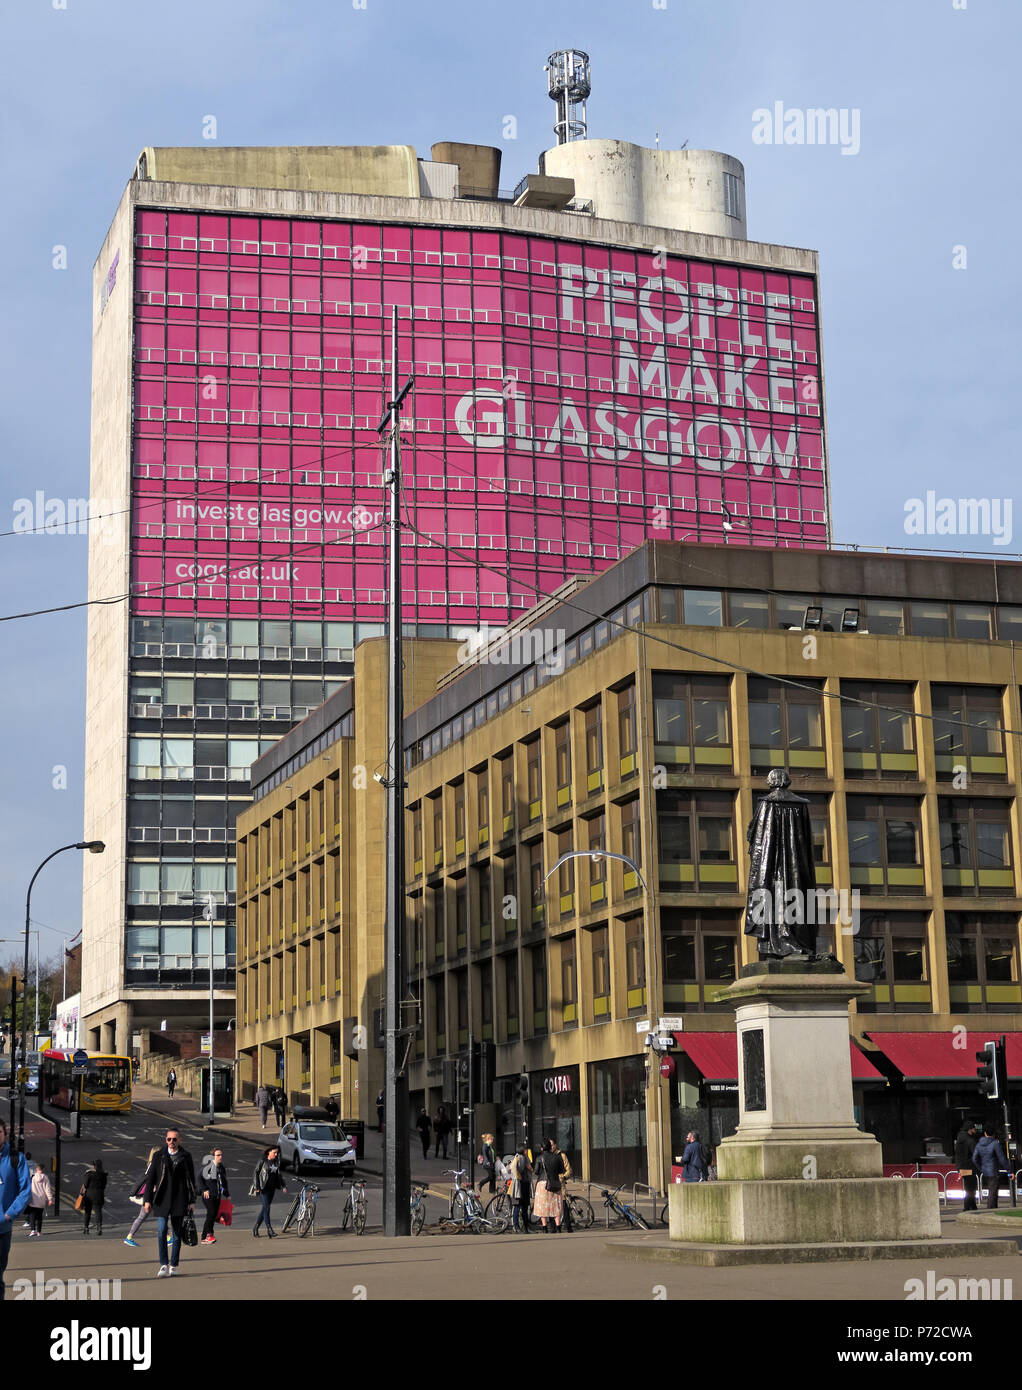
[94, 847]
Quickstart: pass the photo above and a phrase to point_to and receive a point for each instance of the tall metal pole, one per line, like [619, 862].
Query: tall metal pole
[210, 913]
[35, 1039]
[396, 1164]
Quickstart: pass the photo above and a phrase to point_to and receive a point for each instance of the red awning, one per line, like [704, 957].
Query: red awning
[716, 1056]
[943, 1056]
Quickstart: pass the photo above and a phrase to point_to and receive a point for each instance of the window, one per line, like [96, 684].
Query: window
[749, 610]
[884, 839]
[439, 924]
[627, 732]
[485, 899]
[975, 846]
[967, 731]
[509, 904]
[439, 1017]
[438, 832]
[700, 957]
[507, 795]
[877, 732]
[459, 819]
[702, 608]
[600, 948]
[982, 961]
[537, 961]
[569, 983]
[882, 615]
[891, 955]
[732, 196]
[566, 875]
[511, 1013]
[562, 762]
[461, 918]
[534, 779]
[973, 620]
[537, 891]
[929, 620]
[785, 726]
[696, 839]
[594, 748]
[483, 808]
[631, 844]
[417, 841]
[635, 965]
[596, 839]
[691, 721]
[486, 1001]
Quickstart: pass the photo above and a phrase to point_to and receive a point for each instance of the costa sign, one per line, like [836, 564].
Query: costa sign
[555, 1085]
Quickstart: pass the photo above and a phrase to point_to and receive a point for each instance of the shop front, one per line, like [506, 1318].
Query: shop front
[617, 1121]
[555, 1113]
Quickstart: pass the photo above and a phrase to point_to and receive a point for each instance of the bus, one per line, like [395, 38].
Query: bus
[105, 1085]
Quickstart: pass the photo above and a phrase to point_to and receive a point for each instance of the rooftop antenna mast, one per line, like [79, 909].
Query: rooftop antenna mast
[568, 85]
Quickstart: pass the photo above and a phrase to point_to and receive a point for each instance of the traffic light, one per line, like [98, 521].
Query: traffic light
[987, 1073]
[524, 1093]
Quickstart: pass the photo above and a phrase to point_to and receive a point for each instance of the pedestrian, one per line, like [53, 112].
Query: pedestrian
[265, 1182]
[171, 1083]
[548, 1203]
[262, 1103]
[332, 1109]
[567, 1173]
[379, 1112]
[488, 1158]
[521, 1190]
[138, 1197]
[41, 1198]
[15, 1191]
[424, 1126]
[989, 1158]
[965, 1146]
[215, 1189]
[170, 1193]
[695, 1159]
[93, 1197]
[442, 1127]
[279, 1105]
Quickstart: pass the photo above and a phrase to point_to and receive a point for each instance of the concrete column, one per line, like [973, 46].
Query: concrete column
[319, 1065]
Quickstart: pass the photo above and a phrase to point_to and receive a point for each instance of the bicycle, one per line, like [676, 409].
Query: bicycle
[302, 1211]
[418, 1208]
[355, 1208]
[622, 1211]
[582, 1214]
[464, 1198]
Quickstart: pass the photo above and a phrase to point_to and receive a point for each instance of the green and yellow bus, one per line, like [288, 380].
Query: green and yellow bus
[104, 1085]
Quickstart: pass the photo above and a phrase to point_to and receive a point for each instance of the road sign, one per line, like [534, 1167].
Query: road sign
[642, 1026]
[671, 1025]
[23, 1076]
[206, 1045]
[78, 1071]
[667, 1067]
[79, 1057]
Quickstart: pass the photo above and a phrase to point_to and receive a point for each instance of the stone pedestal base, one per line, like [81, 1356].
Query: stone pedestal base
[801, 1153]
[829, 1210]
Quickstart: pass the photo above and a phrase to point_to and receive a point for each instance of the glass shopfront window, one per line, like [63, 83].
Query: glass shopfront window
[617, 1121]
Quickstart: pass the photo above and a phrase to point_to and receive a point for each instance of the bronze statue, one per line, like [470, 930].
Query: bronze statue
[782, 876]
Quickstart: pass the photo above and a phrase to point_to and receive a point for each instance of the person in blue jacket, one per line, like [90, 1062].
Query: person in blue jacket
[694, 1159]
[15, 1190]
[988, 1157]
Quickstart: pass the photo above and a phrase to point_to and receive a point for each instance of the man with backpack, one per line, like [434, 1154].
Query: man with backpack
[695, 1160]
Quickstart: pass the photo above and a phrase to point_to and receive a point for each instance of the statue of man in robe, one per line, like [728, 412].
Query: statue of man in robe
[780, 909]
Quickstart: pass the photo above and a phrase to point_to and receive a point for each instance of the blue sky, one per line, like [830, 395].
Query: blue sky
[920, 357]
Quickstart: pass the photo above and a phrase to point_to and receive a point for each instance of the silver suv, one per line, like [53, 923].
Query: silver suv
[306, 1144]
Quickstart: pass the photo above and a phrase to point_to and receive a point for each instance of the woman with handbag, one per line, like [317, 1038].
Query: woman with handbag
[549, 1201]
[137, 1198]
[41, 1198]
[93, 1196]
[265, 1183]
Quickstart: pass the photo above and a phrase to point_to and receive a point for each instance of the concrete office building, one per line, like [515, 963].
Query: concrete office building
[626, 720]
[599, 354]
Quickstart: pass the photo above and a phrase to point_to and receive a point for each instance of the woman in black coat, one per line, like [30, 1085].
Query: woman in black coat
[93, 1196]
[266, 1180]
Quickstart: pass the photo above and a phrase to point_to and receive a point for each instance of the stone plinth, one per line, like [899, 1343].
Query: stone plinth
[809, 1211]
[798, 1173]
[795, 1077]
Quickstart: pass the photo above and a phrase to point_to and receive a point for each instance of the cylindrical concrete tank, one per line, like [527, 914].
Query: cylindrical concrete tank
[478, 167]
[687, 190]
